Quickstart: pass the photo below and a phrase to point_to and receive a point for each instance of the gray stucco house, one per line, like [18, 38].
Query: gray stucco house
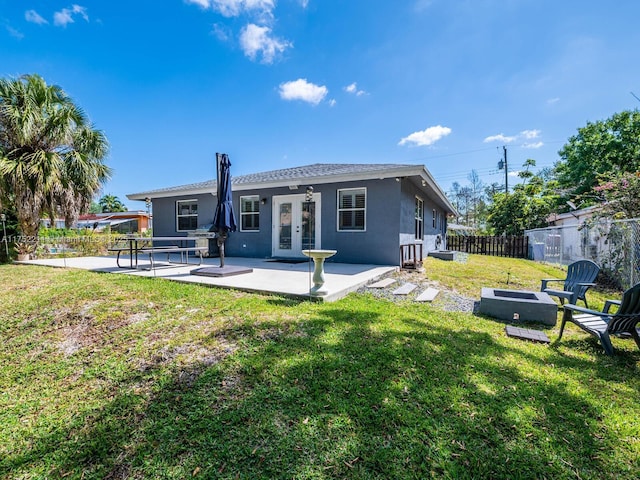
[364, 211]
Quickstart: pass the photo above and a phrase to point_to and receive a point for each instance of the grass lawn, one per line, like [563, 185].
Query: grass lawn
[110, 376]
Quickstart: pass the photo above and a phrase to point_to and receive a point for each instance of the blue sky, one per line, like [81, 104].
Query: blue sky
[283, 83]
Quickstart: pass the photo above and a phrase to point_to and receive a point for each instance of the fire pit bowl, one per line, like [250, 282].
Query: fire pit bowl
[518, 305]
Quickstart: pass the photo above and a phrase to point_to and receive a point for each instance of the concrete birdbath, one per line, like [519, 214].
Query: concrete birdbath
[318, 271]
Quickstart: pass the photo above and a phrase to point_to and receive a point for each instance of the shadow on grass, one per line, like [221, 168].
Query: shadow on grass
[343, 394]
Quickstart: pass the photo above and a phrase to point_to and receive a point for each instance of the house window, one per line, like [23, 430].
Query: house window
[419, 218]
[186, 215]
[352, 205]
[250, 213]
[434, 218]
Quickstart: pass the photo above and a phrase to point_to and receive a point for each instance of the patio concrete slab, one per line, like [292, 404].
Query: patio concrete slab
[288, 279]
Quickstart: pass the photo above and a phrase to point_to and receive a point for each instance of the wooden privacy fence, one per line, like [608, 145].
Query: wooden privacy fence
[507, 246]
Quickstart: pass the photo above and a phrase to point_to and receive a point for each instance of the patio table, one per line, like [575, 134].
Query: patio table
[138, 244]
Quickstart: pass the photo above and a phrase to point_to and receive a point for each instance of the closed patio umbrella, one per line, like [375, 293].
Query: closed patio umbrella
[224, 220]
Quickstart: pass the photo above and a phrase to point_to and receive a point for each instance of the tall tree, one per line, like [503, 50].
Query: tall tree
[620, 195]
[455, 195]
[465, 195]
[111, 203]
[602, 147]
[51, 157]
[527, 207]
[95, 208]
[493, 189]
[477, 198]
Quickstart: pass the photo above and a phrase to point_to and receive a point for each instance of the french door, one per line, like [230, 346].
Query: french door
[296, 225]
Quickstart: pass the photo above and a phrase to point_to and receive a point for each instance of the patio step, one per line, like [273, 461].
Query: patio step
[405, 289]
[428, 295]
[385, 282]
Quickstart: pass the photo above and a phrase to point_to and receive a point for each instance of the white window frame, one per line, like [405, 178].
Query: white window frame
[254, 198]
[434, 217]
[419, 219]
[338, 209]
[178, 216]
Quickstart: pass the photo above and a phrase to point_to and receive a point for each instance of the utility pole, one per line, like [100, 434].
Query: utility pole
[506, 171]
[503, 164]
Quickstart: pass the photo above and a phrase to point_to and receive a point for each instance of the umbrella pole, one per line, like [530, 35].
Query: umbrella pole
[222, 237]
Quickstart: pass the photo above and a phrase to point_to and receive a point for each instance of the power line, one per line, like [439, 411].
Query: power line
[463, 176]
[485, 149]
[481, 172]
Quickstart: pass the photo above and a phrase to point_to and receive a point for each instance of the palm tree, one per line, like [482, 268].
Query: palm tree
[111, 203]
[51, 157]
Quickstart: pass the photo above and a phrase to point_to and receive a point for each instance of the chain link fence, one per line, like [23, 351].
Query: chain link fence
[614, 245]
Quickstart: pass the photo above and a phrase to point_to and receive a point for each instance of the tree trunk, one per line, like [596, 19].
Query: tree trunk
[28, 211]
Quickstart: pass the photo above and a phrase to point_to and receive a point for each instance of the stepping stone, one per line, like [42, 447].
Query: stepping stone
[526, 334]
[385, 282]
[428, 295]
[405, 289]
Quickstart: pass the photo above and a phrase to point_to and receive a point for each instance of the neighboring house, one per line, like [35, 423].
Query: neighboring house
[364, 211]
[572, 218]
[119, 222]
[462, 230]
[566, 239]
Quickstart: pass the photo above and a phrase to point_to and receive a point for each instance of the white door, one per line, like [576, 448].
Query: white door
[296, 225]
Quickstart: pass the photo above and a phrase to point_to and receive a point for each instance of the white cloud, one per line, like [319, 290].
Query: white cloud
[499, 138]
[202, 3]
[553, 101]
[221, 32]
[14, 33]
[255, 40]
[514, 174]
[62, 18]
[353, 88]
[34, 17]
[530, 134]
[332, 102]
[82, 11]
[302, 90]
[426, 137]
[304, 3]
[524, 135]
[234, 8]
[66, 15]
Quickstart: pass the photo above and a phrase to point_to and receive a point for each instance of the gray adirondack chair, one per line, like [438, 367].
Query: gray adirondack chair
[580, 276]
[603, 324]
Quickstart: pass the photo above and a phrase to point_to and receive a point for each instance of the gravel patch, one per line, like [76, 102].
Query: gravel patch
[447, 300]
